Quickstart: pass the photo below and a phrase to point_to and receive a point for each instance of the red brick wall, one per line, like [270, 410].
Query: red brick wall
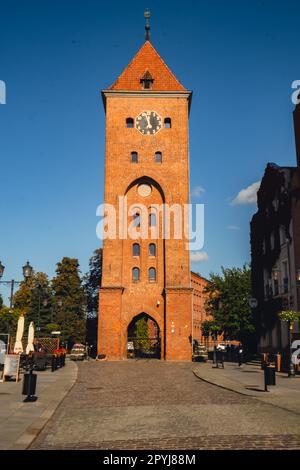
[119, 306]
[199, 297]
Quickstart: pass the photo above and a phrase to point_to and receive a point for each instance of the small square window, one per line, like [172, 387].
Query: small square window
[167, 123]
[152, 274]
[158, 157]
[147, 84]
[129, 123]
[136, 249]
[135, 274]
[152, 249]
[134, 157]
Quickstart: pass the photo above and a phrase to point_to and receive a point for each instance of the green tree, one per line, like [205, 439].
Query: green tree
[92, 283]
[210, 327]
[206, 327]
[1, 301]
[34, 298]
[8, 320]
[69, 300]
[141, 332]
[228, 303]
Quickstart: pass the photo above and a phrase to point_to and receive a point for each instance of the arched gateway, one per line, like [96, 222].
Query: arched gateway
[143, 338]
[146, 163]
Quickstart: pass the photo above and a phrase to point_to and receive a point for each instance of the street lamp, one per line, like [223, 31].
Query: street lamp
[45, 303]
[59, 303]
[1, 269]
[27, 273]
[275, 272]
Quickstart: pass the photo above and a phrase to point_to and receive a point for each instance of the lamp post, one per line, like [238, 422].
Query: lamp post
[59, 304]
[42, 290]
[39, 286]
[214, 336]
[292, 372]
[27, 273]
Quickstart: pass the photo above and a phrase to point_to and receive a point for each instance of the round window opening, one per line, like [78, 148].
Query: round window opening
[144, 190]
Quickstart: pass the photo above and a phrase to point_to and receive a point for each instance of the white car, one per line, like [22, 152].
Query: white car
[78, 352]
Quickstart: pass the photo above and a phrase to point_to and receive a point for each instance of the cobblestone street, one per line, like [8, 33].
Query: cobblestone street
[160, 405]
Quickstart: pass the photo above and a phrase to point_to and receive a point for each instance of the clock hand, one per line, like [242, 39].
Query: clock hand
[148, 121]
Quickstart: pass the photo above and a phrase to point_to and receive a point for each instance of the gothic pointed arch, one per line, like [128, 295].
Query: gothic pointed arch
[143, 337]
[146, 180]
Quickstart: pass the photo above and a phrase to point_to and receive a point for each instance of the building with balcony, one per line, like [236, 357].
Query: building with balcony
[275, 251]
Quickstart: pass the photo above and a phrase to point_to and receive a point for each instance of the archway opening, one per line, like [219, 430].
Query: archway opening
[143, 338]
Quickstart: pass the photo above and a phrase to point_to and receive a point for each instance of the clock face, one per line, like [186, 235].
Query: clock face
[144, 190]
[148, 122]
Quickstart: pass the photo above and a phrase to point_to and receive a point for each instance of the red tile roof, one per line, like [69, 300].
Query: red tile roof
[147, 60]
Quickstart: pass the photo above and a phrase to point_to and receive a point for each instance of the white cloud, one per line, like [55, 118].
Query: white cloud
[247, 195]
[233, 227]
[197, 191]
[198, 256]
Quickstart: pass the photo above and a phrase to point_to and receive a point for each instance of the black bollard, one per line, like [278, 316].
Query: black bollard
[215, 357]
[53, 362]
[29, 386]
[266, 378]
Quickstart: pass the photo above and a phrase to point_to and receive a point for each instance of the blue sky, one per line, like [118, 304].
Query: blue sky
[239, 58]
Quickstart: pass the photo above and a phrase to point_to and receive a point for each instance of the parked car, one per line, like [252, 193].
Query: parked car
[200, 353]
[78, 352]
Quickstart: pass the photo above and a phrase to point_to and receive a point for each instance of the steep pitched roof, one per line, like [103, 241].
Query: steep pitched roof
[147, 60]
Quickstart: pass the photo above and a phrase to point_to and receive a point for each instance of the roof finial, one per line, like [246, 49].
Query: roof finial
[147, 16]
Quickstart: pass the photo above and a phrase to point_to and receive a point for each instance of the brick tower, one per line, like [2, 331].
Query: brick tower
[146, 161]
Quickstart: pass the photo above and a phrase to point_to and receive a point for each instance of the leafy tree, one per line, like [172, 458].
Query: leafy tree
[92, 283]
[228, 299]
[52, 327]
[34, 297]
[1, 301]
[206, 327]
[210, 327]
[69, 300]
[8, 320]
[23, 296]
[141, 332]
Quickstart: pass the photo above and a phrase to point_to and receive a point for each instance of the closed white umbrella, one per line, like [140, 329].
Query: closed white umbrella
[18, 348]
[30, 347]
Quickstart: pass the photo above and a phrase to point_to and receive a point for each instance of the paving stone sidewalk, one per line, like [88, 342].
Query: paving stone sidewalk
[21, 422]
[150, 404]
[249, 380]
